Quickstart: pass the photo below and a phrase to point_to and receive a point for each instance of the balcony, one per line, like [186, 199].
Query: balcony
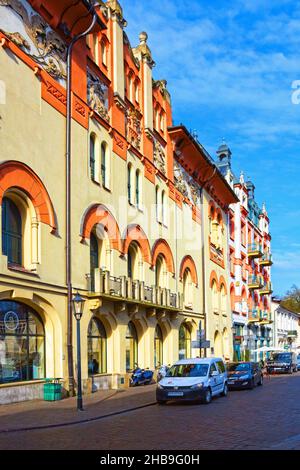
[134, 292]
[253, 315]
[255, 282]
[254, 251]
[266, 260]
[267, 289]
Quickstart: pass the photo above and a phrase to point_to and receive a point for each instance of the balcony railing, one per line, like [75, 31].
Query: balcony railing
[266, 260]
[255, 250]
[124, 288]
[255, 282]
[266, 289]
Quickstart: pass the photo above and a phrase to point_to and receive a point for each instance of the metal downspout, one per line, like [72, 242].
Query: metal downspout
[68, 201]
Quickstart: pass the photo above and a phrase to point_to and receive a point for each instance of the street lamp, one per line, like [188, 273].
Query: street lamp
[78, 305]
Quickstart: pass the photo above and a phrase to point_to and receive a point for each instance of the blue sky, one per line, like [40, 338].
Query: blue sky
[230, 68]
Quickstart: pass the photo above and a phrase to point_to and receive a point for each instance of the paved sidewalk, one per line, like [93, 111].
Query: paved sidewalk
[33, 414]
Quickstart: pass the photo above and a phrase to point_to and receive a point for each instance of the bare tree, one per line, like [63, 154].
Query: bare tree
[291, 300]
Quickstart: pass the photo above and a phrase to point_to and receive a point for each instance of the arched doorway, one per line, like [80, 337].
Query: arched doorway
[158, 347]
[97, 347]
[131, 347]
[184, 342]
[22, 343]
[218, 345]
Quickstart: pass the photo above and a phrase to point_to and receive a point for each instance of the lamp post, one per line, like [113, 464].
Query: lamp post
[78, 305]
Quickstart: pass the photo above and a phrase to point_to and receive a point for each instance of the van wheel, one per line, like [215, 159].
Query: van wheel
[225, 390]
[207, 397]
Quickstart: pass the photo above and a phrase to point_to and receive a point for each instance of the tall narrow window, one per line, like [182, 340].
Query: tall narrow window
[184, 343]
[96, 50]
[138, 188]
[11, 232]
[129, 191]
[104, 53]
[92, 156]
[94, 259]
[103, 165]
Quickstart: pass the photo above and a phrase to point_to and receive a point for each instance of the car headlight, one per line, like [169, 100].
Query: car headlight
[244, 377]
[197, 386]
[160, 387]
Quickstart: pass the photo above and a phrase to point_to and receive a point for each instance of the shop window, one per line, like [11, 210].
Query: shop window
[184, 342]
[97, 357]
[22, 343]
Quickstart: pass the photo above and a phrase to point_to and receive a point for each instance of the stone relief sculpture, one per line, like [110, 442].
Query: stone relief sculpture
[133, 128]
[97, 95]
[159, 157]
[185, 184]
[38, 40]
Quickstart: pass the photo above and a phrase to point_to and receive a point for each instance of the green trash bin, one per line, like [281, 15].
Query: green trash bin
[52, 390]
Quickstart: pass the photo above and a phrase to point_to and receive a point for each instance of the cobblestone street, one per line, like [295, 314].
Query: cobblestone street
[265, 418]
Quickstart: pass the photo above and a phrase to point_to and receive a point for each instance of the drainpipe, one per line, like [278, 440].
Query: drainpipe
[203, 250]
[68, 200]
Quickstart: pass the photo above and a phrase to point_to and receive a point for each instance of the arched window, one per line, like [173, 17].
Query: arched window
[93, 156]
[161, 273]
[97, 359]
[11, 232]
[94, 259]
[22, 343]
[129, 183]
[131, 347]
[158, 347]
[184, 342]
[215, 300]
[188, 289]
[223, 299]
[134, 261]
[104, 164]
[138, 188]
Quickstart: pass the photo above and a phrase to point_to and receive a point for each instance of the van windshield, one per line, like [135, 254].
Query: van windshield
[188, 370]
[282, 357]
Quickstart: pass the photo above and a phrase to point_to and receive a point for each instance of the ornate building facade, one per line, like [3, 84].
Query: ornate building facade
[149, 207]
[250, 260]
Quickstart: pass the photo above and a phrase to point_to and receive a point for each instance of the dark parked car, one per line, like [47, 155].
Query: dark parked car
[285, 362]
[298, 362]
[244, 375]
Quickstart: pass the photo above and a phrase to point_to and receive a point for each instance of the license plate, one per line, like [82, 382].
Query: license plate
[175, 394]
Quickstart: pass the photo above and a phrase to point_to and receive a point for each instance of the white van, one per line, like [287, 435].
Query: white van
[193, 379]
